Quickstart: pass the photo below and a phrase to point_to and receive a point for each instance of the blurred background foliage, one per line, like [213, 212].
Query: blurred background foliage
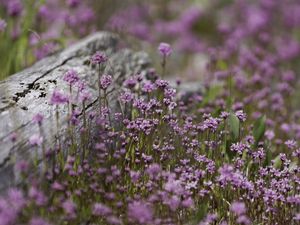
[33, 29]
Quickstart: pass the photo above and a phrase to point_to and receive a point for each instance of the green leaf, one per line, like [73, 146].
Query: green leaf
[234, 125]
[212, 93]
[222, 65]
[268, 157]
[201, 212]
[293, 166]
[277, 162]
[259, 129]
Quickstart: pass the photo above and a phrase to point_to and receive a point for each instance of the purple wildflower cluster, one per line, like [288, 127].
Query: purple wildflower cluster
[175, 20]
[226, 155]
[105, 81]
[165, 49]
[98, 58]
[35, 29]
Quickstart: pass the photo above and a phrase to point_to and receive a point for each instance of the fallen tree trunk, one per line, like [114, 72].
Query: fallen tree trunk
[27, 93]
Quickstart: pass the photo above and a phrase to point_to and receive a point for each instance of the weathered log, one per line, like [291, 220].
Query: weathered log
[27, 93]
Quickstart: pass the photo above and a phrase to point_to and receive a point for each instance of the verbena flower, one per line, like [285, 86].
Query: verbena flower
[140, 212]
[38, 221]
[148, 87]
[38, 118]
[38, 197]
[126, 97]
[16, 199]
[98, 58]
[36, 140]
[165, 49]
[71, 77]
[73, 3]
[14, 7]
[70, 208]
[241, 115]
[238, 208]
[105, 81]
[100, 209]
[243, 220]
[85, 96]
[13, 137]
[291, 144]
[58, 98]
[3, 25]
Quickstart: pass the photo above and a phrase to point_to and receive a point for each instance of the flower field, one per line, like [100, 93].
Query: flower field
[226, 154]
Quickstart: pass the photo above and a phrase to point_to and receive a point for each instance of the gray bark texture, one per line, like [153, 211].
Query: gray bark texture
[27, 93]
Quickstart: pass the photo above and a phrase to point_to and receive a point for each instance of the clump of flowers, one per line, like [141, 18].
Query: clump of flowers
[227, 154]
[35, 29]
[165, 50]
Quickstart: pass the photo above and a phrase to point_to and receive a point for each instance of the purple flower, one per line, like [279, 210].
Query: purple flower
[13, 137]
[243, 220]
[81, 85]
[35, 140]
[173, 202]
[291, 144]
[113, 220]
[170, 92]
[22, 166]
[85, 96]
[105, 81]
[297, 217]
[134, 176]
[209, 219]
[130, 82]
[174, 186]
[98, 58]
[38, 118]
[188, 203]
[70, 208]
[58, 98]
[211, 123]
[14, 8]
[3, 25]
[148, 87]
[239, 147]
[7, 214]
[100, 209]
[57, 186]
[153, 170]
[71, 77]
[44, 50]
[269, 134]
[16, 199]
[162, 83]
[164, 49]
[241, 115]
[44, 12]
[224, 115]
[38, 221]
[126, 97]
[39, 198]
[140, 212]
[73, 3]
[238, 208]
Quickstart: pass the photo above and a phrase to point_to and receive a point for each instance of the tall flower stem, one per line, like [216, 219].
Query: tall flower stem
[99, 92]
[57, 124]
[163, 65]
